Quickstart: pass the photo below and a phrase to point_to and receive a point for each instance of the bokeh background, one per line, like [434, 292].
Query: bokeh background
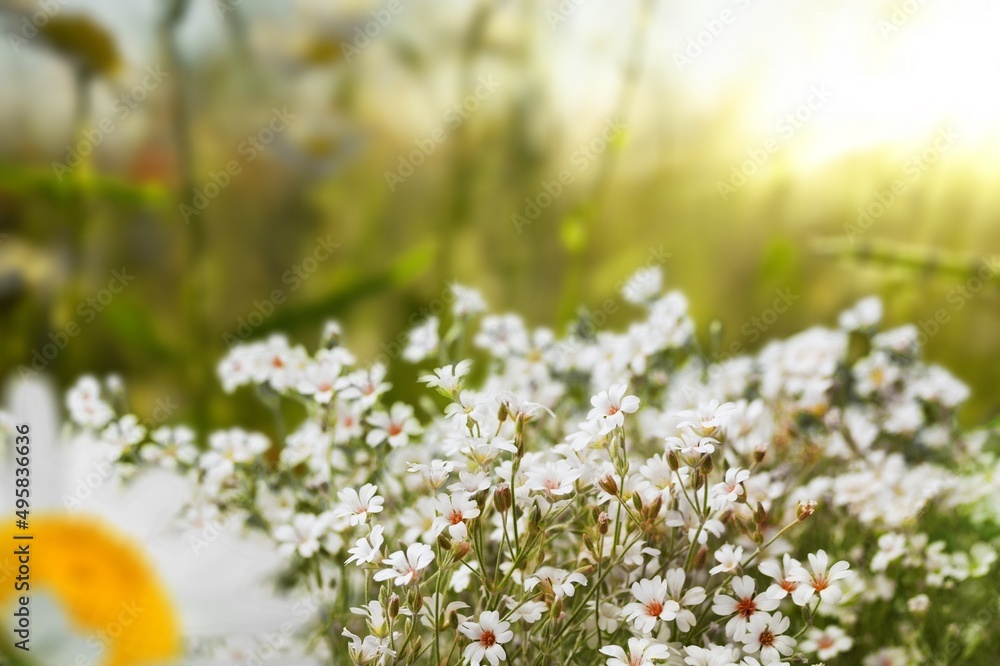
[347, 158]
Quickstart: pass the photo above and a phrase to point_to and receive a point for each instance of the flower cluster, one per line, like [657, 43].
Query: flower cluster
[606, 497]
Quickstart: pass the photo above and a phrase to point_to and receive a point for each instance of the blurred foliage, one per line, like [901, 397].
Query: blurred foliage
[651, 190]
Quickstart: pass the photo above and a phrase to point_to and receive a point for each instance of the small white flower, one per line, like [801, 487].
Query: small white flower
[651, 605]
[454, 510]
[301, 536]
[422, 340]
[357, 504]
[396, 427]
[85, 405]
[404, 568]
[709, 419]
[818, 579]
[529, 611]
[764, 634]
[742, 608]
[434, 474]
[644, 285]
[611, 406]
[554, 477]
[488, 636]
[641, 652]
[783, 585]
[560, 581]
[728, 559]
[448, 378]
[730, 490]
[367, 550]
[827, 643]
[468, 301]
[692, 597]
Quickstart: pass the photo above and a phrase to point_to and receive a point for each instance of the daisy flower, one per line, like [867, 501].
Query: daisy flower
[743, 607]
[611, 406]
[827, 643]
[651, 604]
[357, 504]
[819, 579]
[641, 652]
[765, 634]
[404, 568]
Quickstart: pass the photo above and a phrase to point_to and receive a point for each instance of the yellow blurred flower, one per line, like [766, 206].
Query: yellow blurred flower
[103, 583]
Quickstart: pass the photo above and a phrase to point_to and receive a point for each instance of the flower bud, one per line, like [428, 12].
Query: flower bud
[393, 606]
[535, 519]
[759, 453]
[453, 619]
[760, 514]
[460, 549]
[602, 522]
[609, 485]
[502, 497]
[673, 461]
[444, 541]
[637, 501]
[805, 509]
[502, 412]
[707, 465]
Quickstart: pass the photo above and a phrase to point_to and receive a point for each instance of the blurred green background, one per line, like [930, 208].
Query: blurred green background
[539, 151]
